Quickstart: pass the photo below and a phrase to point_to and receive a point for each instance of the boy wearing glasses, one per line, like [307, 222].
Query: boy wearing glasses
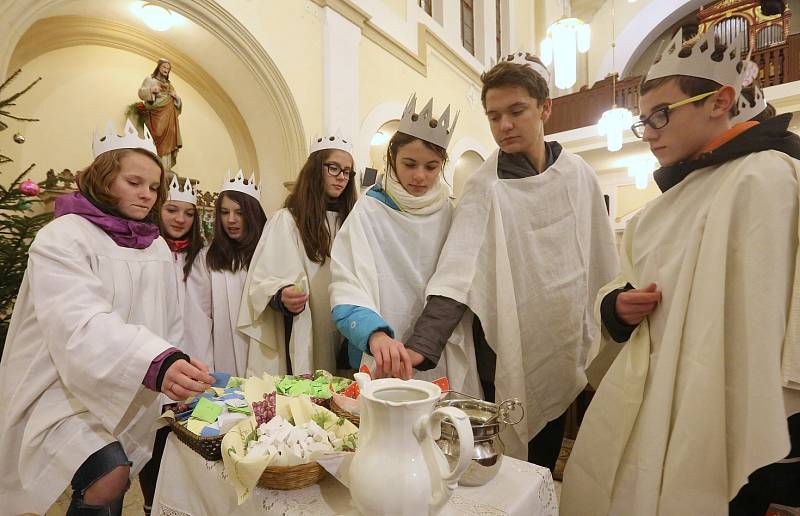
[529, 248]
[708, 308]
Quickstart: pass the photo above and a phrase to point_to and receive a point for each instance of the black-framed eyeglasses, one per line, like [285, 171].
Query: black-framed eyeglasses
[335, 170]
[660, 117]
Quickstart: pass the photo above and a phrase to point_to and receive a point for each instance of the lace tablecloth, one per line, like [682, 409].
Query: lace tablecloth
[191, 485]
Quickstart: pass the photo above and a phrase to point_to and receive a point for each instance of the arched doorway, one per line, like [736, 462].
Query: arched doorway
[212, 52]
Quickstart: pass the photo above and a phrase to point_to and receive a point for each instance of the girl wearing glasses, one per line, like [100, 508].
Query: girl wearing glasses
[216, 282]
[388, 249]
[286, 309]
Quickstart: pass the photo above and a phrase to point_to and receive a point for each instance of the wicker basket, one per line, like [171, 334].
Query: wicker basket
[207, 447]
[291, 477]
[339, 411]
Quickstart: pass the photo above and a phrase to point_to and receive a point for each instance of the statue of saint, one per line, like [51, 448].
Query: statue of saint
[163, 107]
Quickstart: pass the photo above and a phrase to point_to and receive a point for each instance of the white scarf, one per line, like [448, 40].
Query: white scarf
[430, 202]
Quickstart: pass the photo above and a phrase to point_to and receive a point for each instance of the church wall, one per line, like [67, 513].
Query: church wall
[76, 96]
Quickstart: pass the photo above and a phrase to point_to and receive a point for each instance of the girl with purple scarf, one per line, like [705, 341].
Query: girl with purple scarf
[93, 340]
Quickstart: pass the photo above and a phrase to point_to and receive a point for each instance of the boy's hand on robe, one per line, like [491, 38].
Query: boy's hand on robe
[293, 299]
[391, 356]
[184, 380]
[634, 305]
[416, 358]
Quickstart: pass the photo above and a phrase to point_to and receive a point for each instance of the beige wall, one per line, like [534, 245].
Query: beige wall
[84, 86]
[466, 165]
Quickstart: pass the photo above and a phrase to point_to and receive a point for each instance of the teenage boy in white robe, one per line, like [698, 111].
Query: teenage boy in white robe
[387, 251]
[691, 417]
[92, 340]
[286, 308]
[530, 246]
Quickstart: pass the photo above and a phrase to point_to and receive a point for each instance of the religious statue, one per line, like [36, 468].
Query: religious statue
[163, 107]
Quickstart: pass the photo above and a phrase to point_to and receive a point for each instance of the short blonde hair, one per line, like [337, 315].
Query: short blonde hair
[95, 180]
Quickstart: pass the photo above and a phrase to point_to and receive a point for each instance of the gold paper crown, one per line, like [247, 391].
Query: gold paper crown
[424, 126]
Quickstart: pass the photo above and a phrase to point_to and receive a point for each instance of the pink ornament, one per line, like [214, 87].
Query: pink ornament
[750, 73]
[29, 188]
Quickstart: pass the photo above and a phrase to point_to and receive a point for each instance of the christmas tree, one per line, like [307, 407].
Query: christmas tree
[19, 220]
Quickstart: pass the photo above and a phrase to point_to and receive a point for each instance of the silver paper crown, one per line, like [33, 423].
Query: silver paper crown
[423, 125]
[523, 58]
[185, 195]
[336, 141]
[746, 110]
[699, 63]
[237, 184]
[128, 140]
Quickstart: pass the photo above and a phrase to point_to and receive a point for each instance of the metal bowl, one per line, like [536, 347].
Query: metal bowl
[487, 454]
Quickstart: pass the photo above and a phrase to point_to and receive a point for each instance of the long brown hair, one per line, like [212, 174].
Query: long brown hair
[95, 180]
[226, 254]
[308, 203]
[195, 237]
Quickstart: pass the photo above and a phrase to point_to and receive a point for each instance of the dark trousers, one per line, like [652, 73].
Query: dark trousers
[99, 464]
[149, 474]
[545, 446]
[774, 483]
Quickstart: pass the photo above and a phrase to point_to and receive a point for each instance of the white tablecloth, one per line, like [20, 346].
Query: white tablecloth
[191, 485]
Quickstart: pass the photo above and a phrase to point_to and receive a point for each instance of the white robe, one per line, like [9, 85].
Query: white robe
[280, 260]
[695, 402]
[527, 256]
[382, 259]
[212, 309]
[89, 319]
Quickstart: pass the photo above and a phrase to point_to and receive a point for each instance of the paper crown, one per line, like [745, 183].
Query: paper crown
[128, 140]
[176, 194]
[238, 184]
[747, 110]
[424, 126]
[698, 62]
[331, 142]
[525, 58]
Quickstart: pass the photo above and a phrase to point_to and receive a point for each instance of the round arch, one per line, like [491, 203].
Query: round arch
[647, 25]
[375, 119]
[17, 17]
[461, 147]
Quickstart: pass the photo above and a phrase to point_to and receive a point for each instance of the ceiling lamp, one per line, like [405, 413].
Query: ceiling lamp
[563, 40]
[640, 171]
[156, 17]
[617, 119]
[379, 138]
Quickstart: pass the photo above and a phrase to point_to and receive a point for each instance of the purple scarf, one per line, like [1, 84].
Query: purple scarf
[135, 234]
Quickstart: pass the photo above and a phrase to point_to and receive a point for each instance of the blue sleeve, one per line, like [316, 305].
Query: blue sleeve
[357, 324]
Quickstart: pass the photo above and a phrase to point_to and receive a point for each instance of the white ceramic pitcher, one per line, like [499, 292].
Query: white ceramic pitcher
[398, 469]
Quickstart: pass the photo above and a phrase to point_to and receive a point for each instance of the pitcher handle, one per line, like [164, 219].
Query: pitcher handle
[431, 427]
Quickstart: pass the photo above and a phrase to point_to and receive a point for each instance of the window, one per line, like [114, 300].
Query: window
[427, 6]
[731, 29]
[468, 25]
[498, 30]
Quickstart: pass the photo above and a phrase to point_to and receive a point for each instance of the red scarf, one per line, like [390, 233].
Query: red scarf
[176, 246]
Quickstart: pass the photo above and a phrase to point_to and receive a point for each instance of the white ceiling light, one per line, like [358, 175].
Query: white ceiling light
[156, 17]
[379, 138]
[563, 39]
[617, 119]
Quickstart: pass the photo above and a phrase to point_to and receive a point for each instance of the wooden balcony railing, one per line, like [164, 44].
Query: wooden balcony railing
[779, 64]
